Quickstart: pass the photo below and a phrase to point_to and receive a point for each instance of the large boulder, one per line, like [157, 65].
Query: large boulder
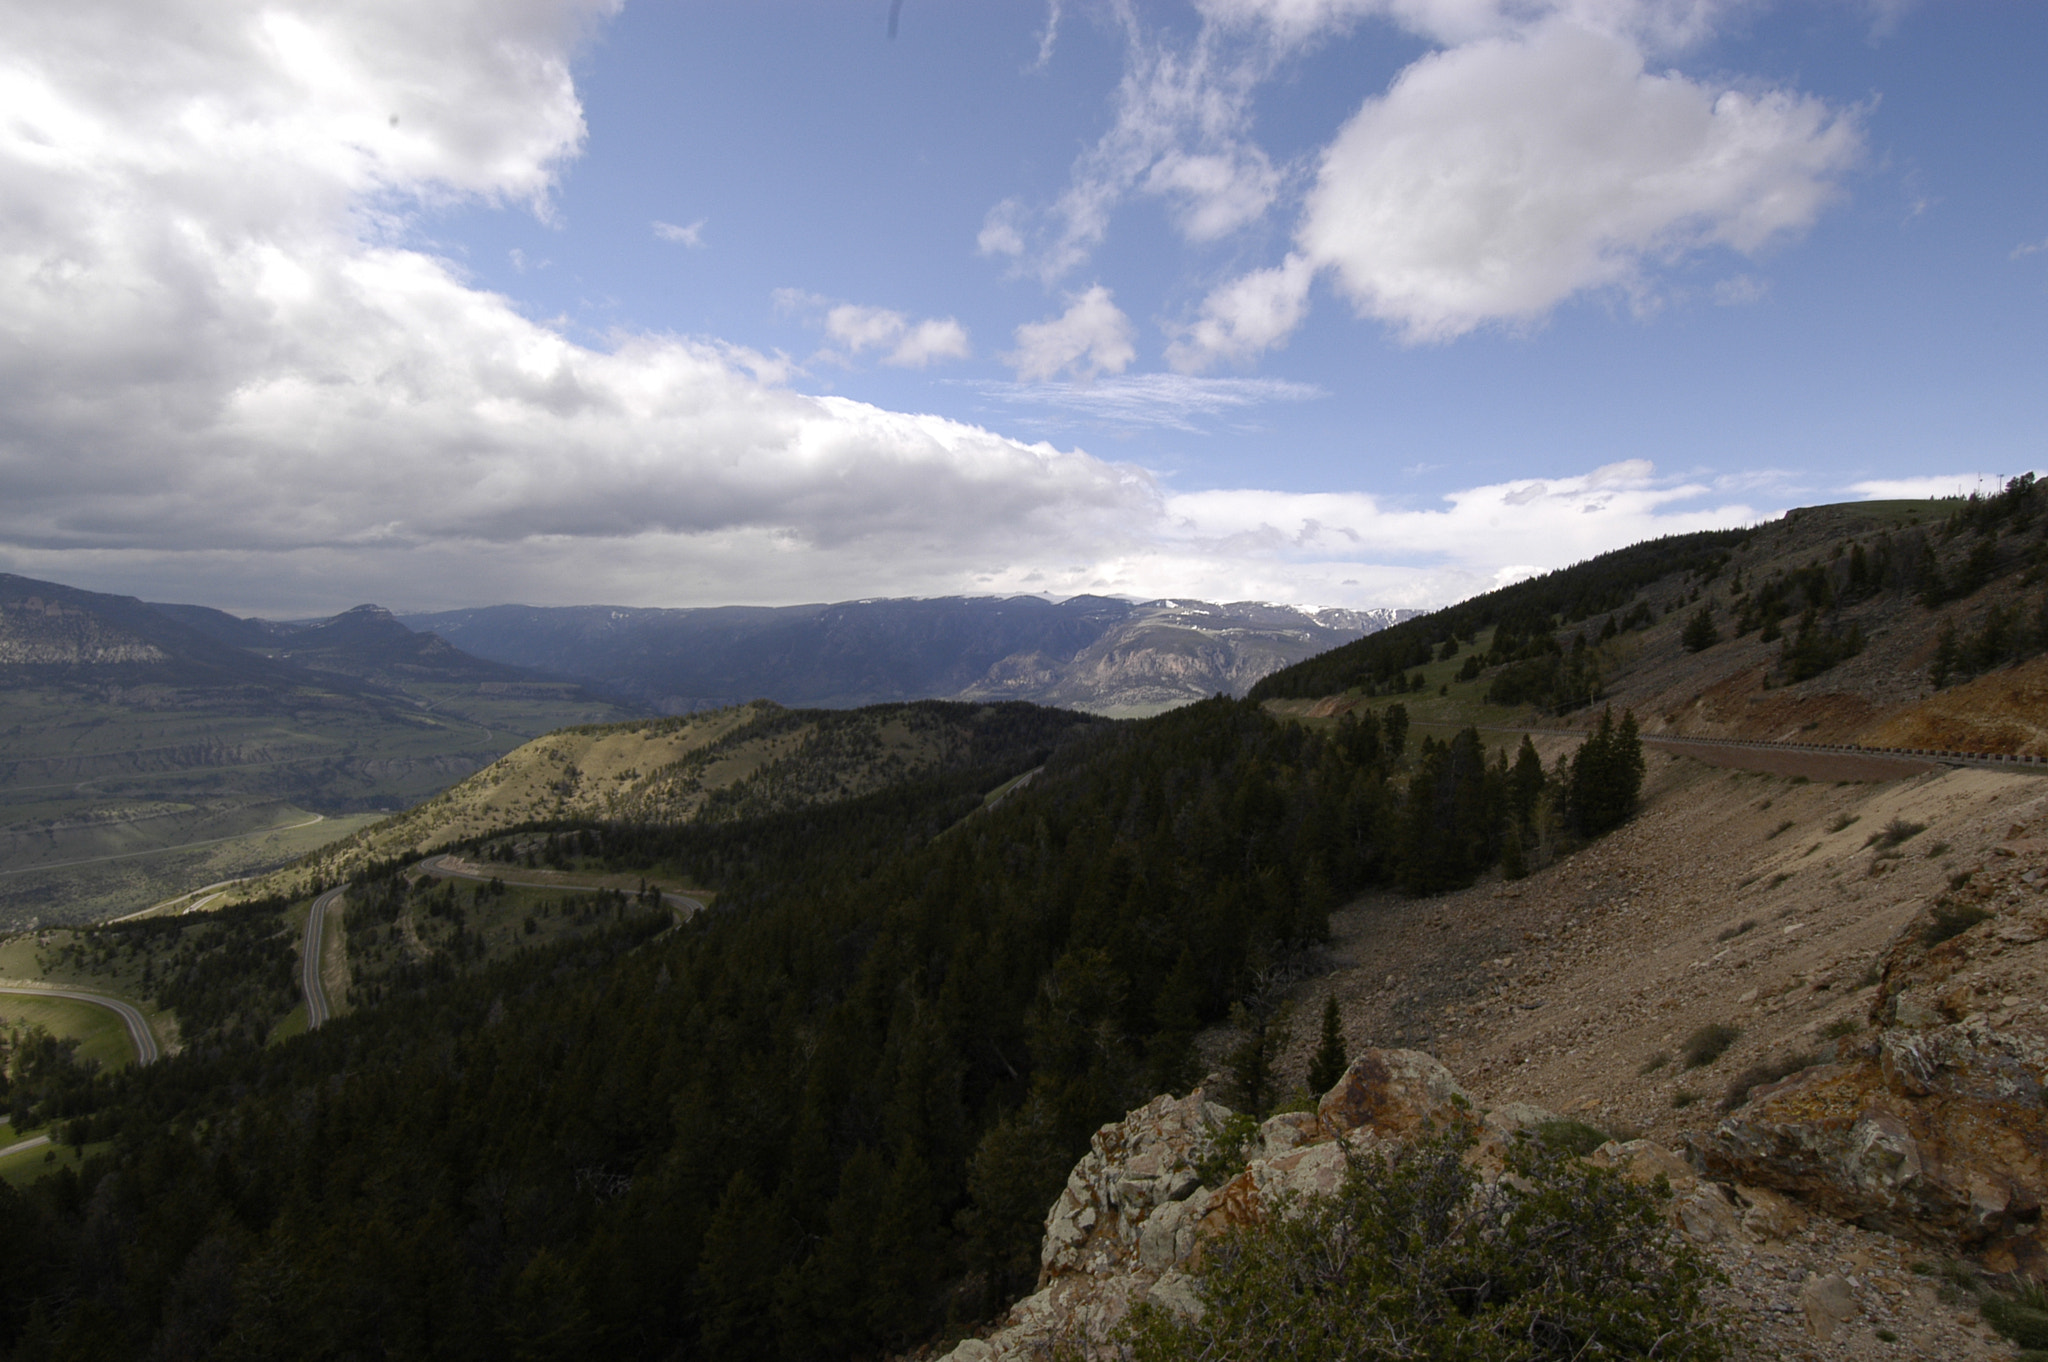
[1937, 1127]
[1938, 1134]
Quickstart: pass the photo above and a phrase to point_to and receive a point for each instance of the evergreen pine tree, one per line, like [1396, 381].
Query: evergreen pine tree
[1171, 1064]
[1394, 730]
[1946, 653]
[1514, 861]
[1253, 1085]
[1527, 781]
[1607, 775]
[1700, 633]
[1330, 1060]
[736, 1274]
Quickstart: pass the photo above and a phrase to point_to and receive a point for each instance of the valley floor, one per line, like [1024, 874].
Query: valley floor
[1743, 899]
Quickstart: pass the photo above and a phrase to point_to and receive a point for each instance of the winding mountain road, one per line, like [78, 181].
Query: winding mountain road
[441, 867]
[449, 868]
[317, 1010]
[139, 1033]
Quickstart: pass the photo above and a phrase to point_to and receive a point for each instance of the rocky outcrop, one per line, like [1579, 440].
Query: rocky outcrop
[1936, 1128]
[1133, 1221]
[1134, 1215]
[39, 633]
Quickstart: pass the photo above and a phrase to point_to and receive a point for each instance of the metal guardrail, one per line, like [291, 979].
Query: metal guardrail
[2002, 761]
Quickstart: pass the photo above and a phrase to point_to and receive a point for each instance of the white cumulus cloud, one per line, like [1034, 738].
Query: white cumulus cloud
[1342, 548]
[907, 344]
[1091, 337]
[1497, 179]
[215, 339]
[1245, 317]
[691, 236]
[1533, 156]
[1929, 486]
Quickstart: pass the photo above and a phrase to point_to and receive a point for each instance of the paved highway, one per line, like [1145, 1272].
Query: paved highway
[309, 961]
[448, 867]
[445, 867]
[139, 1034]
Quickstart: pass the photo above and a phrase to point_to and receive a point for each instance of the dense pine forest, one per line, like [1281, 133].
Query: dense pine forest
[822, 1120]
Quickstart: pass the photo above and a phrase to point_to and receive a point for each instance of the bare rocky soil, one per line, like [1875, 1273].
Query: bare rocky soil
[1742, 899]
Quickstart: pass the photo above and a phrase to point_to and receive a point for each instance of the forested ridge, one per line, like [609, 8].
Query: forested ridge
[1877, 563]
[822, 1120]
[1524, 617]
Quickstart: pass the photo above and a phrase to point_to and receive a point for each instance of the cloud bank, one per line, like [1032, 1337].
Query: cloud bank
[234, 374]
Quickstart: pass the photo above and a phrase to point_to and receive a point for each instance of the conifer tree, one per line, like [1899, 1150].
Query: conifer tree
[1527, 781]
[1946, 653]
[1252, 1087]
[1170, 1054]
[1330, 1060]
[1700, 633]
[736, 1274]
[1607, 775]
[1395, 731]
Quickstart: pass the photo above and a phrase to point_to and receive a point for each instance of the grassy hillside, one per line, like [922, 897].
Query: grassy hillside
[719, 766]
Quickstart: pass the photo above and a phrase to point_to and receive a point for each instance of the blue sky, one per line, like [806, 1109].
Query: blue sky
[1359, 302]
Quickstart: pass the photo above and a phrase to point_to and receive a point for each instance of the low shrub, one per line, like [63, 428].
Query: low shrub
[1895, 832]
[2021, 1314]
[1708, 1044]
[1416, 1257]
[1757, 1075]
[1730, 933]
[1951, 920]
[1567, 1136]
[1225, 1153]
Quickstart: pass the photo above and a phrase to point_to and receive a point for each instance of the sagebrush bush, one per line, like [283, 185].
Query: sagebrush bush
[1568, 1136]
[1770, 1071]
[1708, 1044]
[1951, 920]
[1416, 1258]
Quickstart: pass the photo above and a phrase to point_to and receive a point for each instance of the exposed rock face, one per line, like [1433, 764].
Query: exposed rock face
[1937, 1127]
[1131, 1224]
[1134, 1215]
[1090, 652]
[39, 633]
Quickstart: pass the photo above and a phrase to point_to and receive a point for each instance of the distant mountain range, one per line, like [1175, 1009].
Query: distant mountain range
[1095, 653]
[146, 748]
